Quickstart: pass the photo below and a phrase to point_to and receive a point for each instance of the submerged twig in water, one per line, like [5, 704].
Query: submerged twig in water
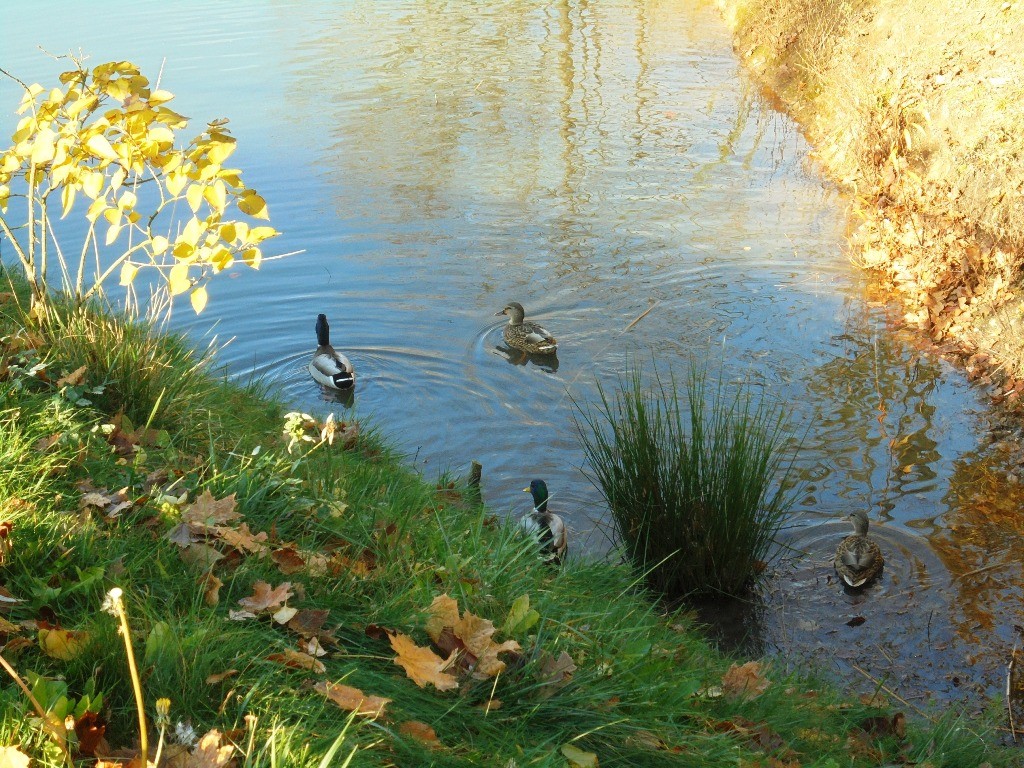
[893, 693]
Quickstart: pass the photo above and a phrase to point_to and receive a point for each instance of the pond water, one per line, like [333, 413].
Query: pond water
[433, 161]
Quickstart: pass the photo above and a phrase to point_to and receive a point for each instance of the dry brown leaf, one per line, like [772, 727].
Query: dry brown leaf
[288, 560]
[74, 378]
[209, 753]
[7, 627]
[220, 676]
[352, 699]
[474, 632]
[208, 511]
[89, 728]
[211, 589]
[421, 732]
[443, 612]
[201, 555]
[265, 597]
[556, 672]
[297, 660]
[422, 665]
[308, 623]
[43, 444]
[243, 539]
[745, 680]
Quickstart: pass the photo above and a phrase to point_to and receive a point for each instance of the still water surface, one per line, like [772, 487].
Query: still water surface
[590, 160]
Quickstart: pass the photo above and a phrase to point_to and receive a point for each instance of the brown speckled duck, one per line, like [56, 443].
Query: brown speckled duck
[526, 336]
[858, 558]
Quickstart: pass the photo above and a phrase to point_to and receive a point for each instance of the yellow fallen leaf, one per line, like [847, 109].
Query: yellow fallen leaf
[12, 757]
[63, 644]
[421, 732]
[209, 753]
[578, 758]
[422, 665]
[352, 699]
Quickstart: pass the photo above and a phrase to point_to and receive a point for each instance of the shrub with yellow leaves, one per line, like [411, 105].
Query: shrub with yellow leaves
[109, 137]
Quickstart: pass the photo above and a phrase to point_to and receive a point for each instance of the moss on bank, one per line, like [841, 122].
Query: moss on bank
[915, 108]
[130, 465]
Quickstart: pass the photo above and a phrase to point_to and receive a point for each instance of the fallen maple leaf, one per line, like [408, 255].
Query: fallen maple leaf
[309, 622]
[555, 673]
[209, 753]
[288, 560]
[474, 632]
[744, 680]
[63, 644]
[352, 699]
[421, 732]
[242, 539]
[297, 660]
[207, 510]
[90, 728]
[443, 612]
[422, 665]
[201, 555]
[265, 597]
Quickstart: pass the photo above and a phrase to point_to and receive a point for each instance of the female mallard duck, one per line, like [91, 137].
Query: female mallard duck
[547, 527]
[328, 366]
[858, 558]
[528, 337]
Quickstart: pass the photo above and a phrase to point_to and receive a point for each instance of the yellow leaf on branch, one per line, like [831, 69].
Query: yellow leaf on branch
[177, 280]
[199, 299]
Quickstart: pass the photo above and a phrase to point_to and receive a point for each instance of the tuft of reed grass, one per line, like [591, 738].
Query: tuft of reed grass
[696, 485]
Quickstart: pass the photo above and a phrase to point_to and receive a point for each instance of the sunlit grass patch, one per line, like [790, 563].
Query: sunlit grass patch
[695, 481]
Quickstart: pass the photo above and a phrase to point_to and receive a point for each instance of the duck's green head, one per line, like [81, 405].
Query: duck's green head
[539, 490]
[323, 330]
[515, 312]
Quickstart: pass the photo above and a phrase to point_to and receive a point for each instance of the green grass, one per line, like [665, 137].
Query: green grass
[695, 483]
[645, 691]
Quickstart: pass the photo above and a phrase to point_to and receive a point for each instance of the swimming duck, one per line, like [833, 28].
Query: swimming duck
[548, 527]
[858, 558]
[328, 366]
[528, 337]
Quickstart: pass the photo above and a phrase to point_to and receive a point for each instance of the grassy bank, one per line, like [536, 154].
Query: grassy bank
[277, 581]
[915, 109]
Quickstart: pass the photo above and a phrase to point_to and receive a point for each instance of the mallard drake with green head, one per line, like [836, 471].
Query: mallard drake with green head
[526, 336]
[858, 558]
[546, 526]
[328, 366]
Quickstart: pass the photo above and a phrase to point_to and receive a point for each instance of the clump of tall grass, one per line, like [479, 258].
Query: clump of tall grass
[696, 484]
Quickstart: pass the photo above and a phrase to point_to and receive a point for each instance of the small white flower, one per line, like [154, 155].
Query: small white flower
[112, 600]
[185, 734]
